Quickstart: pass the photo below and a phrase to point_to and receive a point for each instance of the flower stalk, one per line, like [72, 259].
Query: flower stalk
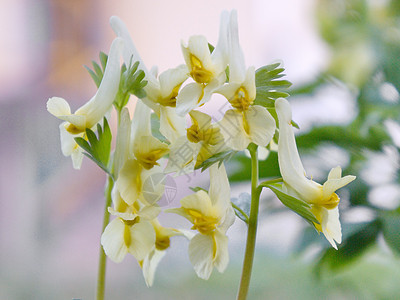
[252, 226]
[101, 273]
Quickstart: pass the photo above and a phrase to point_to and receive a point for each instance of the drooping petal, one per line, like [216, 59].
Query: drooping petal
[232, 129]
[261, 125]
[201, 250]
[143, 238]
[113, 241]
[329, 224]
[97, 107]
[69, 147]
[150, 264]
[221, 257]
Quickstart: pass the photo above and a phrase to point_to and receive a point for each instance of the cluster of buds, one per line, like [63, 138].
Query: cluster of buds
[187, 139]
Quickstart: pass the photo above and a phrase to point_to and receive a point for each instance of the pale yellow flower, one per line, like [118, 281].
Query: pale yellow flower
[91, 112]
[206, 69]
[246, 123]
[211, 215]
[323, 199]
[202, 140]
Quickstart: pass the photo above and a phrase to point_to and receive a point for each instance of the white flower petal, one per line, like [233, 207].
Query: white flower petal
[289, 160]
[143, 238]
[141, 125]
[219, 187]
[172, 78]
[261, 125]
[172, 126]
[189, 98]
[97, 107]
[332, 185]
[335, 173]
[150, 264]
[130, 51]
[69, 147]
[121, 153]
[331, 226]
[113, 241]
[220, 54]
[232, 129]
[58, 107]
[221, 258]
[237, 67]
[201, 249]
[200, 201]
[129, 181]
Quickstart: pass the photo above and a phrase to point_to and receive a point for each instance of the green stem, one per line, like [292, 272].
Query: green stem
[101, 275]
[252, 228]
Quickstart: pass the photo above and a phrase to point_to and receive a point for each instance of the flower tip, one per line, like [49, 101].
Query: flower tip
[283, 110]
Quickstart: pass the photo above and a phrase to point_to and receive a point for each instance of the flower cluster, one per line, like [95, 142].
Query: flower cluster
[187, 139]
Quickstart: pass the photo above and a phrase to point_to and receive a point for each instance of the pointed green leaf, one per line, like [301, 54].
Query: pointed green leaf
[300, 207]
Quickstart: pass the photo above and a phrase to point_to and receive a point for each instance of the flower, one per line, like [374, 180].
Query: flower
[202, 140]
[131, 231]
[322, 198]
[206, 69]
[246, 122]
[90, 113]
[211, 215]
[140, 161]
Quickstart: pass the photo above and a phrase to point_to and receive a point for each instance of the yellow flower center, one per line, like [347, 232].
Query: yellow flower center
[171, 99]
[149, 160]
[207, 134]
[162, 241]
[241, 100]
[127, 230]
[204, 224]
[330, 203]
[71, 128]
[198, 72]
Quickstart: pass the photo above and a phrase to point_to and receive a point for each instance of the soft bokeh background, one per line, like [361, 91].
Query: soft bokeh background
[50, 217]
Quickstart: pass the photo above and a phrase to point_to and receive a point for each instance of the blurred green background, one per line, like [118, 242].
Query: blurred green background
[343, 58]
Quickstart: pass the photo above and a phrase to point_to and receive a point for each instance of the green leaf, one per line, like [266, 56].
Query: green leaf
[241, 205]
[216, 158]
[267, 77]
[351, 249]
[97, 148]
[298, 206]
[391, 230]
[98, 72]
